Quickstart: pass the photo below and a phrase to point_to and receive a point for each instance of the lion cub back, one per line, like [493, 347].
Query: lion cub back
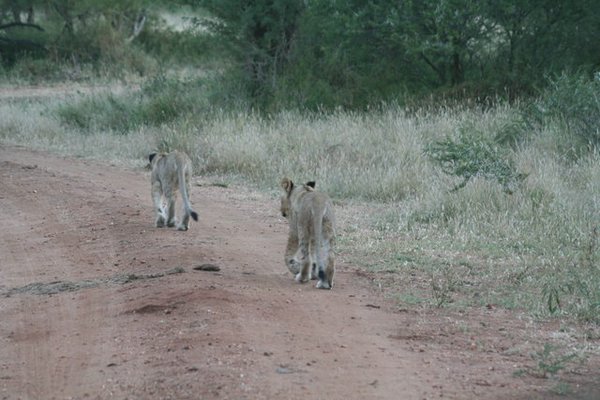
[171, 172]
[309, 252]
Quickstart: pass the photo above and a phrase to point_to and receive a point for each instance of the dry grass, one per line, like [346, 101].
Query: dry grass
[534, 248]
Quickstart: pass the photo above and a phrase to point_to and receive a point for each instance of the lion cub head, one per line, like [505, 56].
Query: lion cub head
[289, 188]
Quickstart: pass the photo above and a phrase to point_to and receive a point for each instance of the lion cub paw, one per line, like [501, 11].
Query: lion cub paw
[323, 285]
[299, 278]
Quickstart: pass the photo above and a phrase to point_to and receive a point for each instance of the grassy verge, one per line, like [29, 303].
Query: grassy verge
[449, 207]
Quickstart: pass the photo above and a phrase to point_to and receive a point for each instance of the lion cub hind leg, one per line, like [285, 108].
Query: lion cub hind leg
[326, 276]
[170, 211]
[187, 209]
[326, 263]
[185, 221]
[294, 262]
[158, 207]
[314, 271]
[304, 275]
[160, 221]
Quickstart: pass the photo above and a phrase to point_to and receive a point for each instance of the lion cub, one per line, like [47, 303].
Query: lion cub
[171, 171]
[309, 251]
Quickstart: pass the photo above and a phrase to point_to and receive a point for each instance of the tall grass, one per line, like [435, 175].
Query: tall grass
[454, 237]
[342, 151]
[33, 123]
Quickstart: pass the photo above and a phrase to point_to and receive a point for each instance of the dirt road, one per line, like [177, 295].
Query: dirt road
[95, 303]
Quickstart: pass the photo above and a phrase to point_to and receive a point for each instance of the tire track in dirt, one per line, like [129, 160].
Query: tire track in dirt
[50, 334]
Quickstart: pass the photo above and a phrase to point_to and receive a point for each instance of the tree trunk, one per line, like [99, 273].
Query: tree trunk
[457, 70]
[138, 25]
[30, 15]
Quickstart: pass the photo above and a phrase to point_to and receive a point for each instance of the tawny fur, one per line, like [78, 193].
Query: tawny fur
[170, 172]
[309, 251]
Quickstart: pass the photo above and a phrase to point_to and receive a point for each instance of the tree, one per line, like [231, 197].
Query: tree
[260, 33]
[17, 11]
[539, 38]
[18, 30]
[353, 53]
[448, 36]
[126, 17]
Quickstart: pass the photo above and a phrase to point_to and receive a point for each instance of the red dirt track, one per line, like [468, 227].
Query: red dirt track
[120, 313]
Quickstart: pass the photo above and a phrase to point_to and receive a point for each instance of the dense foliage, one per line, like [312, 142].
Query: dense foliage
[317, 53]
[354, 53]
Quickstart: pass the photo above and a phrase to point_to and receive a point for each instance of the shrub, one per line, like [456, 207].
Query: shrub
[573, 102]
[575, 287]
[472, 154]
[158, 102]
[179, 47]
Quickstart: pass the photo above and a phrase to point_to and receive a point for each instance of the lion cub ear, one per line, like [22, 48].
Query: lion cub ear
[287, 184]
[151, 157]
[312, 184]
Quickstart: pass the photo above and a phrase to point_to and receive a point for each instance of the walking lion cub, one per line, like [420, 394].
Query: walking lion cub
[309, 251]
[171, 171]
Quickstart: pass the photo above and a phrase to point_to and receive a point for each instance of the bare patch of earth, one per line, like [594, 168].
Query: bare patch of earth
[97, 303]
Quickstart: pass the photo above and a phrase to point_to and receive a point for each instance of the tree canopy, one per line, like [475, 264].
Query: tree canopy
[329, 53]
[353, 52]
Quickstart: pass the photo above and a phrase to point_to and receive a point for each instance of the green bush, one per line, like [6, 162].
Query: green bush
[21, 42]
[33, 70]
[574, 288]
[108, 49]
[473, 154]
[572, 102]
[178, 48]
[104, 112]
[158, 102]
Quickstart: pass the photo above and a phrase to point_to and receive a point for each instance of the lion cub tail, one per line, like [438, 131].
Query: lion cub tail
[184, 193]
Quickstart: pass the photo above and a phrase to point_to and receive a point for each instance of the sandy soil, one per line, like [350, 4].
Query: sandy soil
[96, 303]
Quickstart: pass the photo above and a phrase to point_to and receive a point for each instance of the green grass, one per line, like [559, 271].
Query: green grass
[432, 236]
